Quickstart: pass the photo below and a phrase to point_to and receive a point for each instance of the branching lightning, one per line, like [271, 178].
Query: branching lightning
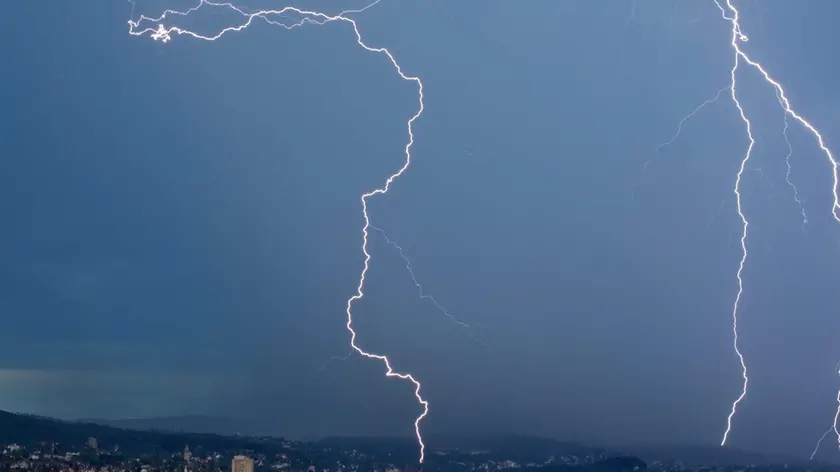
[468, 328]
[831, 428]
[817, 448]
[732, 15]
[164, 34]
[834, 427]
[679, 130]
[728, 12]
[789, 170]
[424, 295]
[690, 115]
[632, 14]
[836, 419]
[737, 38]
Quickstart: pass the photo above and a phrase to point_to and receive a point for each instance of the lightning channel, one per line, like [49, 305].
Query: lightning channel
[732, 15]
[817, 448]
[330, 361]
[739, 37]
[834, 427]
[745, 225]
[690, 115]
[788, 172]
[164, 34]
[677, 134]
[632, 14]
[468, 328]
[836, 419]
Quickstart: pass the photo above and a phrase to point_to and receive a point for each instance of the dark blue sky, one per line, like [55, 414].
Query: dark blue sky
[183, 224]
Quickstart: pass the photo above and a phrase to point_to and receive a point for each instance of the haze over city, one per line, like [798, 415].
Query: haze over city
[184, 226]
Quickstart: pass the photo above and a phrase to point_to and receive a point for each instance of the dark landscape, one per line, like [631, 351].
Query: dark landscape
[40, 443]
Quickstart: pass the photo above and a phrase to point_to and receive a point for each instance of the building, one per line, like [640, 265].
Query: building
[92, 443]
[242, 464]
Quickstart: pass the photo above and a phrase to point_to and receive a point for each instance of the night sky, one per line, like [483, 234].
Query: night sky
[182, 223]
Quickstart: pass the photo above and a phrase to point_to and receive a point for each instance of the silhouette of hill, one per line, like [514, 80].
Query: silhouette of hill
[708, 455]
[512, 443]
[30, 430]
[186, 424]
[170, 434]
[518, 448]
[613, 464]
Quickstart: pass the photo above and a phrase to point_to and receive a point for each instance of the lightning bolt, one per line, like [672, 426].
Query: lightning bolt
[690, 115]
[732, 15]
[330, 361]
[787, 174]
[164, 34]
[817, 448]
[424, 295]
[632, 14]
[836, 419]
[833, 426]
[468, 328]
[729, 13]
[676, 135]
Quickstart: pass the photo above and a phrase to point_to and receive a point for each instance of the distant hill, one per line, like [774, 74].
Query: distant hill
[533, 444]
[518, 448]
[526, 448]
[186, 424]
[31, 430]
[709, 455]
[171, 434]
[613, 464]
[34, 431]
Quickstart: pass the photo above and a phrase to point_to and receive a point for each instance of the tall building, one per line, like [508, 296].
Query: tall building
[242, 464]
[187, 456]
[92, 443]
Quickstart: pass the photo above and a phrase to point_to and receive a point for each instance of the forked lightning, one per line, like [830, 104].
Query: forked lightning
[732, 15]
[728, 12]
[833, 426]
[164, 33]
[424, 295]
